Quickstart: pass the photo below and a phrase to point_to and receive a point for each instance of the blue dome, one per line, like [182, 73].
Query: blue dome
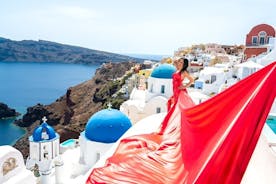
[164, 71]
[107, 126]
[44, 127]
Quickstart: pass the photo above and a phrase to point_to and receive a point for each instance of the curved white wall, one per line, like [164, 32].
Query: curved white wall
[154, 103]
[262, 165]
[143, 103]
[155, 87]
[12, 167]
[133, 112]
[92, 151]
[47, 150]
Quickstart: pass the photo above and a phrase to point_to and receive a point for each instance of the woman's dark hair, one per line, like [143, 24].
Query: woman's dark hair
[185, 65]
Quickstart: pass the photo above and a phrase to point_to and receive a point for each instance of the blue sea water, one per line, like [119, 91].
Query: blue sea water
[25, 84]
[271, 121]
[148, 56]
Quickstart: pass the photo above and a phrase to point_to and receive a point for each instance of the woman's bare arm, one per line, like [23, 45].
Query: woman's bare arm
[189, 77]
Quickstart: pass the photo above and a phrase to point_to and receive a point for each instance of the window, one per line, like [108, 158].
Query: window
[254, 40]
[268, 38]
[151, 87]
[213, 78]
[262, 40]
[44, 135]
[163, 89]
[158, 110]
[262, 36]
[98, 156]
[45, 152]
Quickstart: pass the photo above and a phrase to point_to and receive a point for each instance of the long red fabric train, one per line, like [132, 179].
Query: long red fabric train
[208, 143]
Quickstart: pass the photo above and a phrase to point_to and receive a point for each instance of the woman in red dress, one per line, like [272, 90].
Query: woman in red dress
[178, 86]
[154, 158]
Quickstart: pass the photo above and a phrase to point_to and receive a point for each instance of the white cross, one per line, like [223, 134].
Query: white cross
[109, 105]
[44, 119]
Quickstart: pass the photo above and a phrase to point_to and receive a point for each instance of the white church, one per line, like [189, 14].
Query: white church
[47, 164]
[143, 103]
[153, 100]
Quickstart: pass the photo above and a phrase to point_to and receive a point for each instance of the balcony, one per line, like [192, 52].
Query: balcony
[257, 45]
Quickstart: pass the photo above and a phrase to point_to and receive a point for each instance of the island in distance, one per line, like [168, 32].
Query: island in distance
[46, 51]
[6, 112]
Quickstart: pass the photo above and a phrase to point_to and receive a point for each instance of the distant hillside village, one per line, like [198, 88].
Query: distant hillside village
[215, 67]
[259, 42]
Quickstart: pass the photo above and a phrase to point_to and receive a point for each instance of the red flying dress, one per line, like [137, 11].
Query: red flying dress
[208, 143]
[177, 82]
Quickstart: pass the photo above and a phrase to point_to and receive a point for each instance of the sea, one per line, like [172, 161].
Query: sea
[24, 84]
[156, 57]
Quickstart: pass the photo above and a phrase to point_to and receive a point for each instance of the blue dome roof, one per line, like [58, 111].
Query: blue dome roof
[164, 71]
[107, 126]
[44, 127]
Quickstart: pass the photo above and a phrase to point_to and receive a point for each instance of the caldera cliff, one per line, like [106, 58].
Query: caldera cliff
[70, 113]
[7, 112]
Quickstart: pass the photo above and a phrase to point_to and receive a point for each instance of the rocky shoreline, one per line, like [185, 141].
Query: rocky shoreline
[7, 112]
[70, 113]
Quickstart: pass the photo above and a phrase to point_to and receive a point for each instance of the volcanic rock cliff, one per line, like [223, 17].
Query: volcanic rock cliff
[70, 113]
[6, 112]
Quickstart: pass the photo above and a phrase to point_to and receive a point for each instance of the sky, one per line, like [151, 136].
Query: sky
[141, 27]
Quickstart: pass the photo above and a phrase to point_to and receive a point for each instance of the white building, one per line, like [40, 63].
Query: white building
[214, 79]
[270, 57]
[44, 152]
[211, 78]
[143, 103]
[12, 167]
[102, 130]
[247, 68]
